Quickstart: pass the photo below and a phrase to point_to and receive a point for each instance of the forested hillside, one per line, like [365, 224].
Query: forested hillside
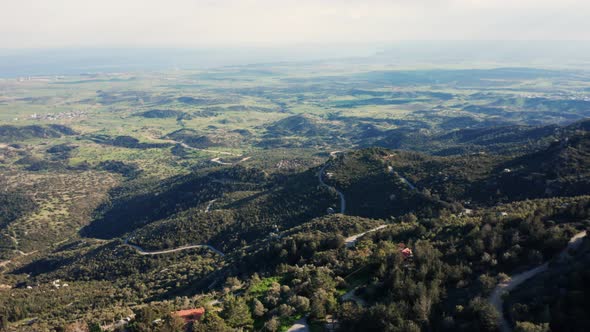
[263, 197]
[280, 251]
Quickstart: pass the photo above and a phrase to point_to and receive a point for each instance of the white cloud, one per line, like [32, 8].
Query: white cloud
[54, 23]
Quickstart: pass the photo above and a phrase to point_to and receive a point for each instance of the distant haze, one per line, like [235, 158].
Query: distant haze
[395, 55]
[55, 37]
[197, 23]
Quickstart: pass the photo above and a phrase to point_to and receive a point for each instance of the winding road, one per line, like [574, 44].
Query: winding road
[208, 208]
[141, 251]
[403, 179]
[351, 240]
[407, 182]
[218, 161]
[495, 298]
[342, 199]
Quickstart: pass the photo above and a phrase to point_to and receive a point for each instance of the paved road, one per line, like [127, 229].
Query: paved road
[516, 280]
[141, 251]
[218, 161]
[300, 326]
[351, 240]
[208, 208]
[214, 160]
[404, 180]
[244, 159]
[342, 200]
[408, 183]
[335, 153]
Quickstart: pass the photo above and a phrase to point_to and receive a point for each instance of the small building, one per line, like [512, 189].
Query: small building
[466, 212]
[407, 253]
[190, 315]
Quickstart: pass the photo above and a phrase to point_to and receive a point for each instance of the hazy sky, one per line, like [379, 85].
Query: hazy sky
[194, 23]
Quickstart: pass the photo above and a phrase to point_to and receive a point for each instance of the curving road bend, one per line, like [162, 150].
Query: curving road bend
[408, 183]
[351, 240]
[300, 326]
[208, 208]
[342, 199]
[495, 298]
[218, 161]
[403, 179]
[141, 251]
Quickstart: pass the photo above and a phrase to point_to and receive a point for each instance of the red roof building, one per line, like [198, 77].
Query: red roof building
[190, 315]
[407, 252]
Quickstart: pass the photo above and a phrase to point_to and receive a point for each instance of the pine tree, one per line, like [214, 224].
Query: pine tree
[236, 313]
[258, 308]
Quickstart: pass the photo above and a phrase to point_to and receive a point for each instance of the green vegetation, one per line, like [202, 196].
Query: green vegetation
[125, 198]
[556, 299]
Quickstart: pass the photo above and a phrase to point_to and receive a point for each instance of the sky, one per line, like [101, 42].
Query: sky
[202, 23]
